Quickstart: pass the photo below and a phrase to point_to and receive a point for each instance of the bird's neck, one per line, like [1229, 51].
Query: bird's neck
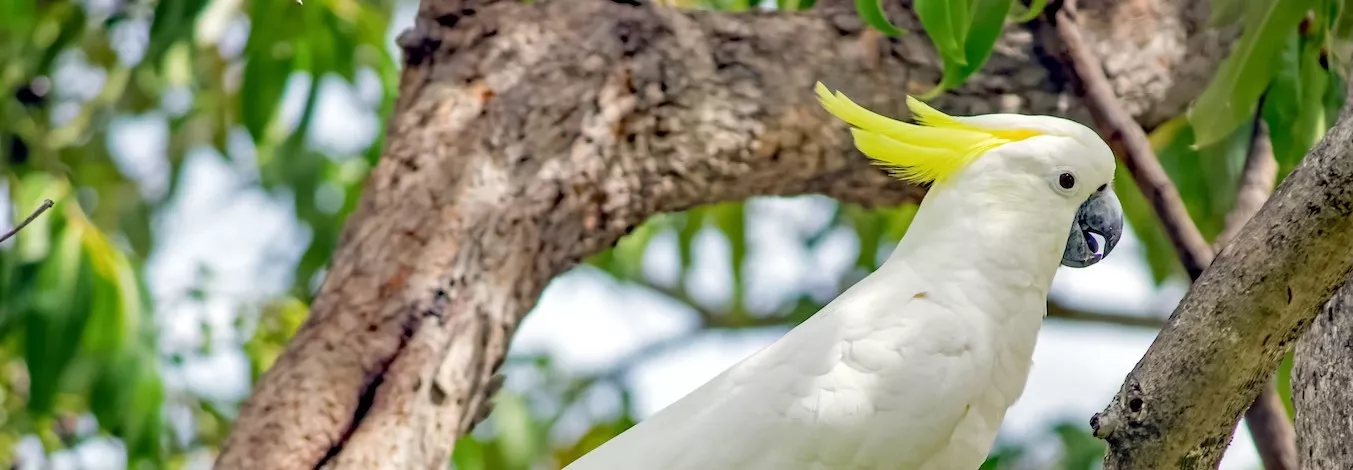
[999, 251]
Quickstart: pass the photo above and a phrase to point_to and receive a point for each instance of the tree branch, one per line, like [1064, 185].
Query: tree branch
[1266, 416]
[46, 204]
[1322, 385]
[529, 136]
[1267, 419]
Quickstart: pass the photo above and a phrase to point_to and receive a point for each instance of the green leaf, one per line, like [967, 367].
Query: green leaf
[265, 79]
[1283, 97]
[115, 316]
[689, 225]
[1284, 383]
[16, 17]
[1229, 99]
[1294, 107]
[52, 330]
[625, 261]
[518, 437]
[871, 11]
[731, 219]
[469, 454]
[794, 5]
[1206, 178]
[174, 21]
[868, 230]
[938, 17]
[899, 220]
[987, 22]
[1028, 14]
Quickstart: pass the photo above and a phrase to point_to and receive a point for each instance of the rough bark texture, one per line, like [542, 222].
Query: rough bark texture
[529, 136]
[1322, 386]
[1266, 418]
[1179, 405]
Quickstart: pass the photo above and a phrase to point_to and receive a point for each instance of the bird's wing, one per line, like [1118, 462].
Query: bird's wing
[882, 374]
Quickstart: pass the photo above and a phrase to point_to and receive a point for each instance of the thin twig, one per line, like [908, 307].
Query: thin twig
[46, 204]
[1129, 142]
[713, 319]
[1266, 417]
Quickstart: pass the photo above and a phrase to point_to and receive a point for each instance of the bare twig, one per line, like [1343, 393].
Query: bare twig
[1062, 312]
[1266, 417]
[46, 204]
[710, 318]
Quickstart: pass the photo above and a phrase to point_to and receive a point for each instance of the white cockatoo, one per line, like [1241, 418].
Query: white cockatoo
[914, 366]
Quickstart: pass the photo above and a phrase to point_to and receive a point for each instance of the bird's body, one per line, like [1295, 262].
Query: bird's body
[911, 368]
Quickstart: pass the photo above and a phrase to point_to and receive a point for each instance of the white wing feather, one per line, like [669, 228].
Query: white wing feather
[879, 378]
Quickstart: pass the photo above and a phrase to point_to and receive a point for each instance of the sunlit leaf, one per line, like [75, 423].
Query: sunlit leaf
[794, 5]
[1229, 99]
[173, 22]
[988, 18]
[939, 18]
[1027, 14]
[52, 333]
[871, 11]
[518, 439]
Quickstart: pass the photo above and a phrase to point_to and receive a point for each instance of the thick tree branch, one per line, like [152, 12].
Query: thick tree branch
[528, 136]
[1267, 419]
[1322, 385]
[1266, 416]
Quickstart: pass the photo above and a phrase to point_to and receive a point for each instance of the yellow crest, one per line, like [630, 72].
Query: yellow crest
[934, 150]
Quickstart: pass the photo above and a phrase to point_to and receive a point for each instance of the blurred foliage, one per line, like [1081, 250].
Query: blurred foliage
[83, 352]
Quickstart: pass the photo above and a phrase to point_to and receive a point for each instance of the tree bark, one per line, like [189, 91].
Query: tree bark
[1322, 386]
[528, 136]
[1178, 407]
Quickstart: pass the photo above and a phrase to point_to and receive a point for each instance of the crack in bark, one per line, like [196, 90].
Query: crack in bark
[367, 396]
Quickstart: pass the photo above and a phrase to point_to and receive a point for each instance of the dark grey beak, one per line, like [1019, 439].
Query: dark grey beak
[1100, 215]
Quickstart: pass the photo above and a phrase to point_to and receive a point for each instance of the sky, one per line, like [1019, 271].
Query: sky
[249, 239]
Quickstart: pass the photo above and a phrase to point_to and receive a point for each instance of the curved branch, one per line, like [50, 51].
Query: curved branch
[528, 136]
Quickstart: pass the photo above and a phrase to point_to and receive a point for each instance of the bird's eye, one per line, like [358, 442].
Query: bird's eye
[1102, 187]
[1066, 180]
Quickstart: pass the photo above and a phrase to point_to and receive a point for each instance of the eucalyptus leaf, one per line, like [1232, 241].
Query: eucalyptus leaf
[988, 20]
[1229, 99]
[1034, 9]
[938, 17]
[871, 11]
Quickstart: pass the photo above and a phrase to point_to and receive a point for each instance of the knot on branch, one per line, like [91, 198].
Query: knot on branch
[1123, 419]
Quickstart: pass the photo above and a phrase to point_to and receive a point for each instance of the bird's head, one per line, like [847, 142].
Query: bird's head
[1047, 164]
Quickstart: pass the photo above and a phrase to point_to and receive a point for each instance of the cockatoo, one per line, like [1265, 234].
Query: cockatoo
[914, 366]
